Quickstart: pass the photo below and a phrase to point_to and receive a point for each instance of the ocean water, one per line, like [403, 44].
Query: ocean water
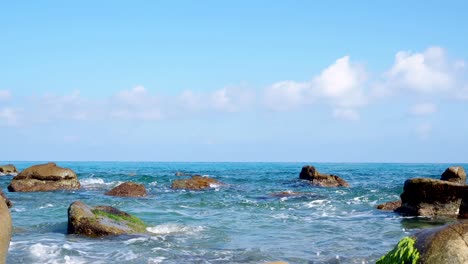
[240, 222]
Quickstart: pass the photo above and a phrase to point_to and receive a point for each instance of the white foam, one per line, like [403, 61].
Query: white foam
[97, 183]
[18, 209]
[51, 254]
[46, 206]
[169, 229]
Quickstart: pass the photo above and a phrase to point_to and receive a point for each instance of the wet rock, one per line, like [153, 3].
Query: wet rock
[455, 175]
[7, 201]
[292, 194]
[8, 169]
[389, 206]
[430, 198]
[5, 229]
[44, 177]
[196, 183]
[128, 189]
[319, 179]
[101, 221]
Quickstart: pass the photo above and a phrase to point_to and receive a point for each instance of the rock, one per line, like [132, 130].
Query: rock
[8, 169]
[101, 221]
[389, 206]
[430, 198]
[324, 180]
[181, 173]
[44, 177]
[128, 189]
[197, 182]
[445, 244]
[7, 201]
[5, 229]
[454, 174]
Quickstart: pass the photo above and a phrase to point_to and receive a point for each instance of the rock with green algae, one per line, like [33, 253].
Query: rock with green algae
[404, 252]
[101, 221]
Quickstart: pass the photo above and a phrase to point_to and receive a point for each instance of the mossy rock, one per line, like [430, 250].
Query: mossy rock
[404, 253]
[101, 221]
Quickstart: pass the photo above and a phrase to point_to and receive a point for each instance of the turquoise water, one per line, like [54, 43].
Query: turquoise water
[237, 223]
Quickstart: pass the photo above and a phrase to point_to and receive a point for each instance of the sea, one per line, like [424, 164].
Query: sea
[241, 221]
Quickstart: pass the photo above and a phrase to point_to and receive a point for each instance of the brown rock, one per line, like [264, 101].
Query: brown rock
[324, 180]
[454, 174]
[197, 182]
[101, 221]
[7, 201]
[430, 197]
[5, 229]
[446, 244]
[8, 169]
[128, 189]
[44, 177]
[389, 206]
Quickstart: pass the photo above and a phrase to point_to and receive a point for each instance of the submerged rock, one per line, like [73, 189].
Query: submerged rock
[8, 169]
[7, 201]
[197, 182]
[455, 175]
[324, 180]
[430, 197]
[5, 229]
[128, 189]
[389, 206]
[44, 177]
[101, 221]
[445, 244]
[292, 194]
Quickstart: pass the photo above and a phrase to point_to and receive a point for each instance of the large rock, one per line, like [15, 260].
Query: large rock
[8, 169]
[454, 174]
[5, 229]
[445, 244]
[44, 177]
[196, 183]
[430, 197]
[101, 221]
[319, 179]
[128, 189]
[7, 201]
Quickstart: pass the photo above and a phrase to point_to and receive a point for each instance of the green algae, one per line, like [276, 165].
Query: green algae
[133, 222]
[403, 253]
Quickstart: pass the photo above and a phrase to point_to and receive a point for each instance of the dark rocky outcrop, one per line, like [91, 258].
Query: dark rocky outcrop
[196, 183]
[455, 175]
[7, 201]
[128, 189]
[101, 221]
[389, 206]
[319, 179]
[8, 169]
[445, 244]
[5, 229]
[430, 197]
[44, 177]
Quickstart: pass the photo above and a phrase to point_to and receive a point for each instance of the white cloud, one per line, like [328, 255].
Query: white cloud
[9, 115]
[425, 72]
[346, 114]
[5, 95]
[423, 109]
[287, 95]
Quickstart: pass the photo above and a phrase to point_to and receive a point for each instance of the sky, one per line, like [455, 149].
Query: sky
[286, 81]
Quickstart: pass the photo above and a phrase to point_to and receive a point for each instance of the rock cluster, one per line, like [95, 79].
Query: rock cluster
[319, 179]
[5, 229]
[43, 178]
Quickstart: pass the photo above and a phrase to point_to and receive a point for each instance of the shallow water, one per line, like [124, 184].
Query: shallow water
[240, 222]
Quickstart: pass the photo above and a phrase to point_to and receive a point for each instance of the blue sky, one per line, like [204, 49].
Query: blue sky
[331, 81]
